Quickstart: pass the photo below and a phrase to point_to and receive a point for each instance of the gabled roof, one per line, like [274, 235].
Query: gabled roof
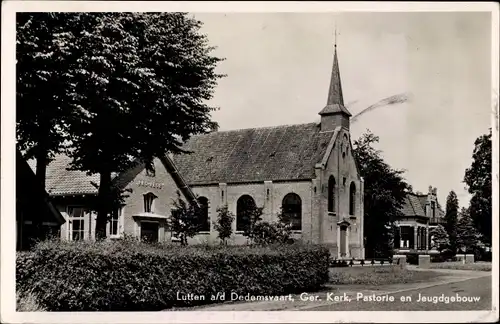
[287, 152]
[61, 182]
[413, 206]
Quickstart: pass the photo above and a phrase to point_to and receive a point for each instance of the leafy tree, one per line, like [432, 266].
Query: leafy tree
[138, 85]
[185, 221]
[43, 111]
[224, 223]
[252, 215]
[439, 238]
[468, 237]
[451, 219]
[478, 180]
[384, 194]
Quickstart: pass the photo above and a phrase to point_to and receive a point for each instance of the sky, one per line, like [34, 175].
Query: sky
[278, 68]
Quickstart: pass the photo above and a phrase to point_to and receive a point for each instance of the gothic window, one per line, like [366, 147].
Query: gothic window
[352, 199]
[331, 194]
[204, 223]
[149, 199]
[292, 210]
[244, 206]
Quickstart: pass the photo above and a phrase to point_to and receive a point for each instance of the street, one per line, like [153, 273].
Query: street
[477, 287]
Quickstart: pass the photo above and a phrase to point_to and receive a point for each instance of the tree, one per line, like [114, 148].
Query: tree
[275, 232]
[43, 112]
[139, 83]
[451, 219]
[384, 194]
[185, 221]
[439, 238]
[252, 216]
[478, 180]
[224, 223]
[468, 237]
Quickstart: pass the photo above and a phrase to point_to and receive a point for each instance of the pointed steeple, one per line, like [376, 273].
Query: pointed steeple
[335, 91]
[335, 101]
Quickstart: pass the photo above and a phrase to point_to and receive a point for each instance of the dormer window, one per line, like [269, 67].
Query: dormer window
[149, 199]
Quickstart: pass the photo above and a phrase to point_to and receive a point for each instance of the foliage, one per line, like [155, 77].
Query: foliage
[133, 276]
[440, 240]
[224, 223]
[43, 109]
[468, 237]
[138, 86]
[251, 216]
[451, 219]
[384, 194]
[27, 302]
[478, 180]
[275, 232]
[186, 219]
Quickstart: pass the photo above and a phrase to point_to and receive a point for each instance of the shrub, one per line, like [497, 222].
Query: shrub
[132, 276]
[27, 302]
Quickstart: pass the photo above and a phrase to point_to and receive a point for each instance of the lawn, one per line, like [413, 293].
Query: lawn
[377, 276]
[478, 266]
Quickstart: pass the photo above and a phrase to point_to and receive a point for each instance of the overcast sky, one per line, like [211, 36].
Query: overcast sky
[279, 65]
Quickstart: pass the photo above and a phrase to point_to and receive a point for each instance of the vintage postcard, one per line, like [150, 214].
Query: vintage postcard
[263, 162]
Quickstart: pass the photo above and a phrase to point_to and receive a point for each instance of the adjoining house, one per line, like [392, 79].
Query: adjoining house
[36, 217]
[421, 213]
[307, 170]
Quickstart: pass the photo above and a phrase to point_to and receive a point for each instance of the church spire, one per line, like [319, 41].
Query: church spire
[335, 91]
[335, 113]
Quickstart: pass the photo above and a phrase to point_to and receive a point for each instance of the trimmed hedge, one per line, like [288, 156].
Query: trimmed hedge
[125, 276]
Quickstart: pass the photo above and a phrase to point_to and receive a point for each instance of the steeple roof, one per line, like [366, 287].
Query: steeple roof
[335, 102]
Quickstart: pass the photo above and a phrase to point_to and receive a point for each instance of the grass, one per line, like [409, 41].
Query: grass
[27, 302]
[378, 276]
[478, 266]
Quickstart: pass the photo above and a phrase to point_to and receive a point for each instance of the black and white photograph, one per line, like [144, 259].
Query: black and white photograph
[258, 162]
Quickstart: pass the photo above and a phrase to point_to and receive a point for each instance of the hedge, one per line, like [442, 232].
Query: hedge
[121, 276]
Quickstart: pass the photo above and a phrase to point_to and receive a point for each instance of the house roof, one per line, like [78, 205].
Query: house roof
[414, 205]
[61, 181]
[287, 152]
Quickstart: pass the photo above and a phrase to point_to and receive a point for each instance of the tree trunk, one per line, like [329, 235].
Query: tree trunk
[103, 205]
[41, 165]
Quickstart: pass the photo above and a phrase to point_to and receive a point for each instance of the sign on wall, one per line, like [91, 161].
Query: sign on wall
[149, 184]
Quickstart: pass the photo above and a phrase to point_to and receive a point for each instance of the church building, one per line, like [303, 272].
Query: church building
[306, 170]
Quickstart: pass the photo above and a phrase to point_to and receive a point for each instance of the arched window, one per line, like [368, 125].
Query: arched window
[292, 210]
[352, 199]
[244, 206]
[149, 206]
[331, 194]
[204, 223]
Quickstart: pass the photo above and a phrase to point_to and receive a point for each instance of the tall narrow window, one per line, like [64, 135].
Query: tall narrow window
[76, 223]
[292, 210]
[433, 208]
[244, 207]
[204, 223]
[352, 199]
[114, 222]
[331, 194]
[149, 199]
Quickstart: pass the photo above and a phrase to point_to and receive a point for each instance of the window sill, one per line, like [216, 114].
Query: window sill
[204, 232]
[149, 215]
